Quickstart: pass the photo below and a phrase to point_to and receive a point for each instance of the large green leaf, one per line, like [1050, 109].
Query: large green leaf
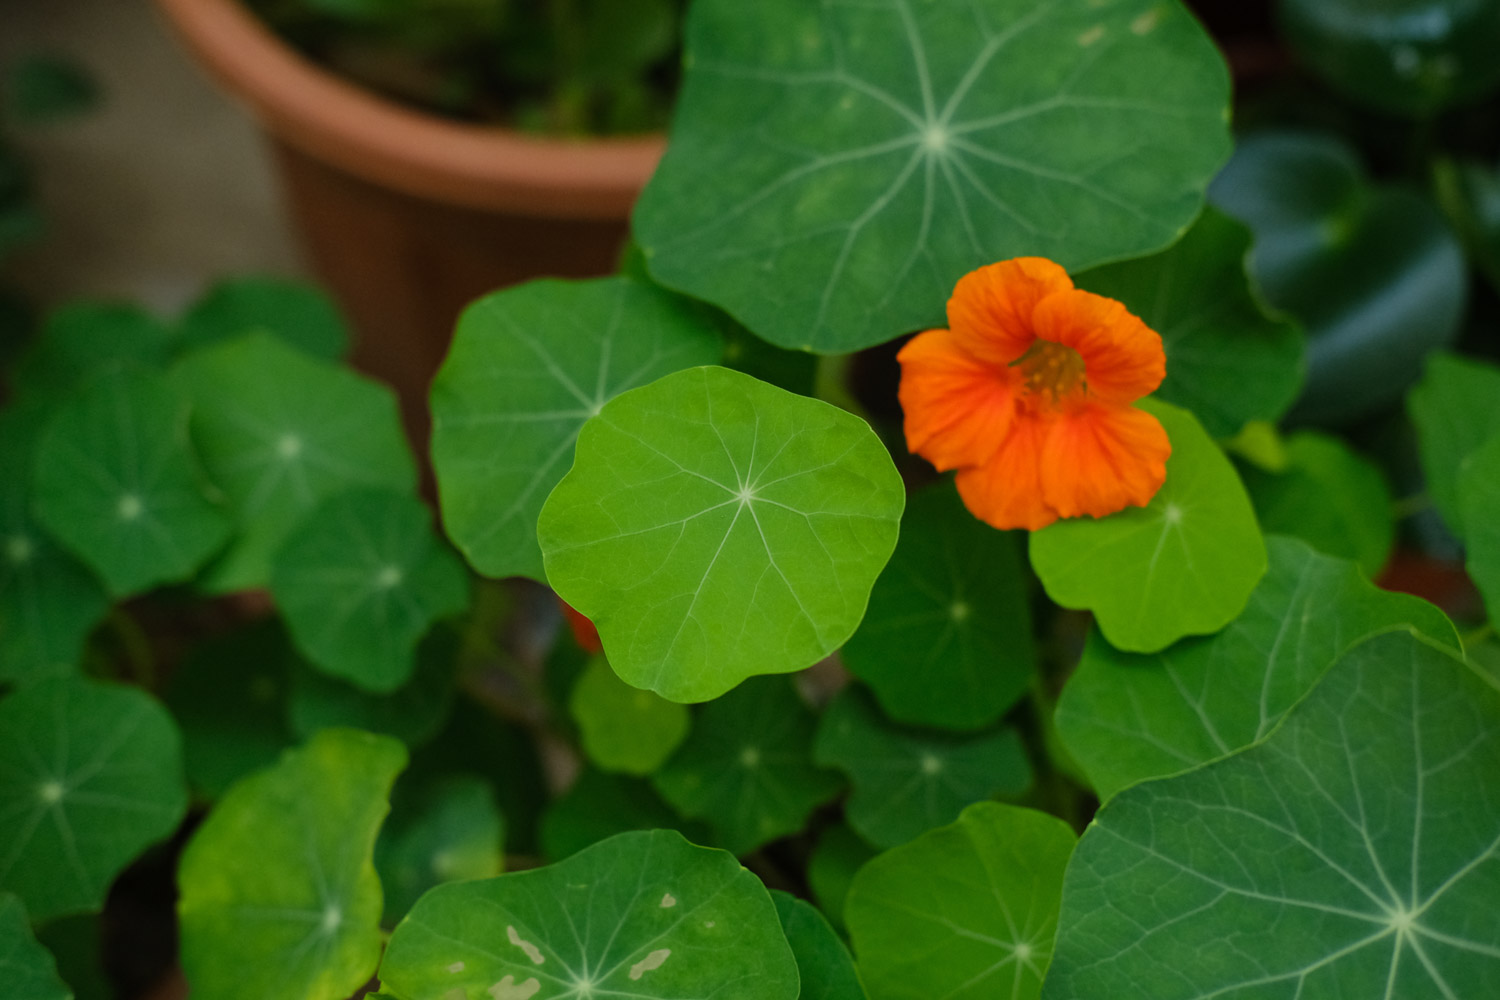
[1352, 853]
[714, 527]
[1227, 361]
[947, 638]
[439, 832]
[906, 781]
[278, 893]
[527, 367]
[643, 914]
[90, 775]
[278, 432]
[81, 339]
[826, 970]
[360, 580]
[116, 482]
[1182, 565]
[1127, 717]
[1372, 272]
[747, 766]
[836, 168]
[1479, 503]
[624, 728]
[967, 911]
[1456, 408]
[300, 314]
[27, 969]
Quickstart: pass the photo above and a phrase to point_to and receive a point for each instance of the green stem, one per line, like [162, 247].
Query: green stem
[1475, 636]
[831, 384]
[1411, 506]
[139, 659]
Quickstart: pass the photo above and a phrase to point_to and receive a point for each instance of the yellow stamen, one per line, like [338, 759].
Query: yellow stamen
[1051, 369]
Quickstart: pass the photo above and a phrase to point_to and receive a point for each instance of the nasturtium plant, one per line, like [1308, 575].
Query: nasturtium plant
[1352, 852]
[26, 967]
[747, 768]
[745, 529]
[361, 580]
[80, 339]
[300, 314]
[278, 432]
[966, 911]
[1479, 500]
[279, 895]
[642, 914]
[1183, 565]
[445, 831]
[947, 637]
[1455, 408]
[116, 482]
[824, 965]
[905, 781]
[527, 367]
[623, 728]
[1126, 717]
[896, 146]
[90, 774]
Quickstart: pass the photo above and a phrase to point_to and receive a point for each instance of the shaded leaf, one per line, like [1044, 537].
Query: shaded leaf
[437, 833]
[298, 313]
[1456, 408]
[824, 964]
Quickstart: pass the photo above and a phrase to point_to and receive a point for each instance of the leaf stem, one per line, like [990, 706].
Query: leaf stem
[1474, 637]
[1411, 506]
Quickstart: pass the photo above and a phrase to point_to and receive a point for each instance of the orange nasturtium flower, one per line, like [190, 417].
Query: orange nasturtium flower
[1028, 395]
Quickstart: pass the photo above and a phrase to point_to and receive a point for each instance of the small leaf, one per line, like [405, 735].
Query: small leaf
[715, 527]
[826, 970]
[747, 766]
[600, 805]
[967, 911]
[300, 314]
[1127, 717]
[441, 832]
[624, 728]
[279, 896]
[527, 367]
[1479, 500]
[643, 914]
[907, 781]
[947, 638]
[26, 967]
[1183, 565]
[1456, 408]
[91, 775]
[360, 581]
[1352, 853]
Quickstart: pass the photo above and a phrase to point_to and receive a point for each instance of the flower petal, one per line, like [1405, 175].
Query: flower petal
[990, 312]
[958, 410]
[1102, 458]
[1006, 492]
[1123, 358]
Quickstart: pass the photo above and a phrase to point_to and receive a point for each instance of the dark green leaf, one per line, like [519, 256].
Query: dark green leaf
[838, 855]
[81, 339]
[437, 833]
[600, 805]
[826, 970]
[413, 713]
[27, 970]
[1479, 505]
[300, 314]
[1456, 408]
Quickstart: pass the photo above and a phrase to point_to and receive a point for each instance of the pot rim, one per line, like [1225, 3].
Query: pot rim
[376, 140]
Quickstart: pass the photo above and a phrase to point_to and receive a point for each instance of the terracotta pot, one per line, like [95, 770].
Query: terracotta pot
[407, 217]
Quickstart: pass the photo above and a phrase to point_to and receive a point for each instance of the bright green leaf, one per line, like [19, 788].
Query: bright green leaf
[27, 969]
[714, 527]
[527, 367]
[747, 766]
[1127, 717]
[826, 970]
[897, 146]
[116, 482]
[442, 832]
[907, 781]
[967, 911]
[360, 580]
[840, 852]
[1479, 505]
[1352, 853]
[1182, 565]
[90, 776]
[643, 914]
[413, 713]
[1227, 361]
[300, 314]
[624, 728]
[278, 893]
[947, 638]
[278, 432]
[600, 805]
[1456, 408]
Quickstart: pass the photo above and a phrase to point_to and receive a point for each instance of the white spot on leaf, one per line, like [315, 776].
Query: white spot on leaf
[651, 961]
[532, 951]
[1091, 36]
[456, 968]
[388, 577]
[130, 507]
[668, 901]
[18, 549]
[509, 989]
[1146, 23]
[51, 792]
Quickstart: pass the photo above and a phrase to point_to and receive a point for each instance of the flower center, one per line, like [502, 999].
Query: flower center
[1052, 370]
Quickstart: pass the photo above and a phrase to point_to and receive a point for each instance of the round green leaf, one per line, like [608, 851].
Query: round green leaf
[1373, 273]
[279, 431]
[1127, 717]
[116, 482]
[1352, 853]
[906, 781]
[823, 963]
[747, 766]
[279, 896]
[1456, 408]
[527, 367]
[893, 147]
[1411, 57]
[643, 914]
[624, 728]
[26, 968]
[440, 832]
[90, 776]
[967, 911]
[839, 853]
[714, 527]
[360, 580]
[300, 314]
[1227, 361]
[82, 339]
[1182, 565]
[1329, 496]
[600, 805]
[1479, 501]
[413, 713]
[947, 638]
